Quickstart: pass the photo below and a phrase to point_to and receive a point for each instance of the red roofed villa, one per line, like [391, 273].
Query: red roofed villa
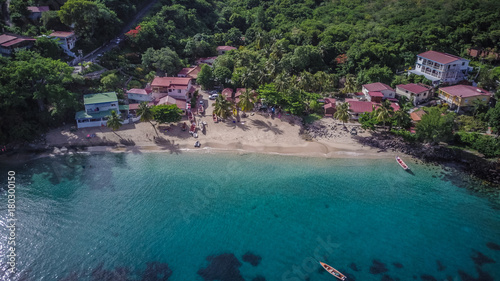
[441, 67]
[228, 93]
[419, 92]
[36, 12]
[67, 39]
[190, 72]
[176, 87]
[357, 107]
[385, 89]
[463, 95]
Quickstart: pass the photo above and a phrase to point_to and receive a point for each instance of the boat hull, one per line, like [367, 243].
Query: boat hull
[333, 271]
[402, 164]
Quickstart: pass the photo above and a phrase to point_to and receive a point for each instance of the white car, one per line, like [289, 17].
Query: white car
[213, 96]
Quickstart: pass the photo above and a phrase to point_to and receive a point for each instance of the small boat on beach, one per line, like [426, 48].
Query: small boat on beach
[333, 271]
[401, 163]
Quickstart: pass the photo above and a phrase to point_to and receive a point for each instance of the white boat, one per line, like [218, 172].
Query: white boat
[401, 163]
[333, 271]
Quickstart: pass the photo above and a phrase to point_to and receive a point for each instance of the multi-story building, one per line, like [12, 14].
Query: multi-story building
[418, 92]
[441, 67]
[384, 89]
[67, 40]
[460, 96]
[176, 87]
[97, 109]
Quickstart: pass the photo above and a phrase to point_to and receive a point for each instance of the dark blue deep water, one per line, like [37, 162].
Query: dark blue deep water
[246, 217]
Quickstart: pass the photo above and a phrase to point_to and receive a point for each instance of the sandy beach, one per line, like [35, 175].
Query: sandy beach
[258, 132]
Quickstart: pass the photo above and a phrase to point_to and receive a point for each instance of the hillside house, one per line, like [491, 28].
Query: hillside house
[190, 72]
[176, 87]
[67, 40]
[139, 95]
[441, 67]
[418, 92]
[356, 107]
[386, 90]
[463, 96]
[36, 12]
[223, 49]
[10, 43]
[330, 107]
[97, 109]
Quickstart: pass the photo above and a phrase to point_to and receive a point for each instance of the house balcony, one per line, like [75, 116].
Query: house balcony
[443, 97]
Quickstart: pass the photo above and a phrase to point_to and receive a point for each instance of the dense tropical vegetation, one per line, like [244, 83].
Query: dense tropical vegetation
[291, 52]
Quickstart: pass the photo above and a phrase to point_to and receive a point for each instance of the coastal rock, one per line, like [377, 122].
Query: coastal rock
[156, 271]
[480, 259]
[378, 267]
[493, 246]
[252, 258]
[224, 267]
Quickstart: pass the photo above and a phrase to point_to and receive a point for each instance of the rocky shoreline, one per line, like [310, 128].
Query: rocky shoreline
[483, 169]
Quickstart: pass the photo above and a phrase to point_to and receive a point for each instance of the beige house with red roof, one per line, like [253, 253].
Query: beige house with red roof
[418, 92]
[463, 95]
[176, 87]
[228, 94]
[10, 43]
[384, 89]
[67, 39]
[441, 67]
[136, 95]
[357, 107]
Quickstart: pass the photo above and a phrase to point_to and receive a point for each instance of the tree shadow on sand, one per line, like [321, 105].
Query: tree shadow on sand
[267, 127]
[243, 127]
[169, 145]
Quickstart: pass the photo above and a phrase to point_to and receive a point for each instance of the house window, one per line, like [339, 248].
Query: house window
[169, 90]
[448, 67]
[463, 63]
[407, 92]
[418, 95]
[113, 104]
[179, 91]
[466, 101]
[484, 99]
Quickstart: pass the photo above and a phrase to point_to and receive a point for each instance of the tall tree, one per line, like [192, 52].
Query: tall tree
[146, 114]
[436, 125]
[222, 107]
[167, 113]
[205, 77]
[342, 113]
[384, 112]
[247, 100]
[164, 60]
[114, 122]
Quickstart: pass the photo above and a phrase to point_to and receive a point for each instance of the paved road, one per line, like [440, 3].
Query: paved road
[113, 43]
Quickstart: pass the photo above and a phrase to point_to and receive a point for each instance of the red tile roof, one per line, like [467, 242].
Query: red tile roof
[40, 9]
[330, 100]
[360, 106]
[184, 71]
[465, 91]
[135, 106]
[443, 58]
[170, 82]
[329, 105]
[417, 115]
[7, 40]
[375, 94]
[377, 87]
[62, 34]
[228, 93]
[366, 106]
[225, 48]
[137, 91]
[414, 88]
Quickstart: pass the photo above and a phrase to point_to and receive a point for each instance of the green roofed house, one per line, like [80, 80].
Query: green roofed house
[97, 108]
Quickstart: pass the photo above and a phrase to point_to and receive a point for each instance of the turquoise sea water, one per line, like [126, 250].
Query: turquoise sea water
[110, 216]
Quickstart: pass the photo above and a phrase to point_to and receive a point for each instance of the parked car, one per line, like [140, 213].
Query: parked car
[202, 102]
[213, 96]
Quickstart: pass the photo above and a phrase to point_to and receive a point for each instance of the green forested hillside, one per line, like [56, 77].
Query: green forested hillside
[293, 51]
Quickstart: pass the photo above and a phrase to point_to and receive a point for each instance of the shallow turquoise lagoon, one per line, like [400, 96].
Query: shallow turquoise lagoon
[150, 216]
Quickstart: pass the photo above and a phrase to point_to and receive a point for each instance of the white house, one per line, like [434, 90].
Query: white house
[385, 89]
[418, 92]
[67, 39]
[97, 109]
[176, 87]
[139, 95]
[441, 67]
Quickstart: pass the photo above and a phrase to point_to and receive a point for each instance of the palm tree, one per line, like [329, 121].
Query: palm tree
[146, 114]
[114, 122]
[247, 100]
[223, 108]
[384, 112]
[342, 113]
[350, 85]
